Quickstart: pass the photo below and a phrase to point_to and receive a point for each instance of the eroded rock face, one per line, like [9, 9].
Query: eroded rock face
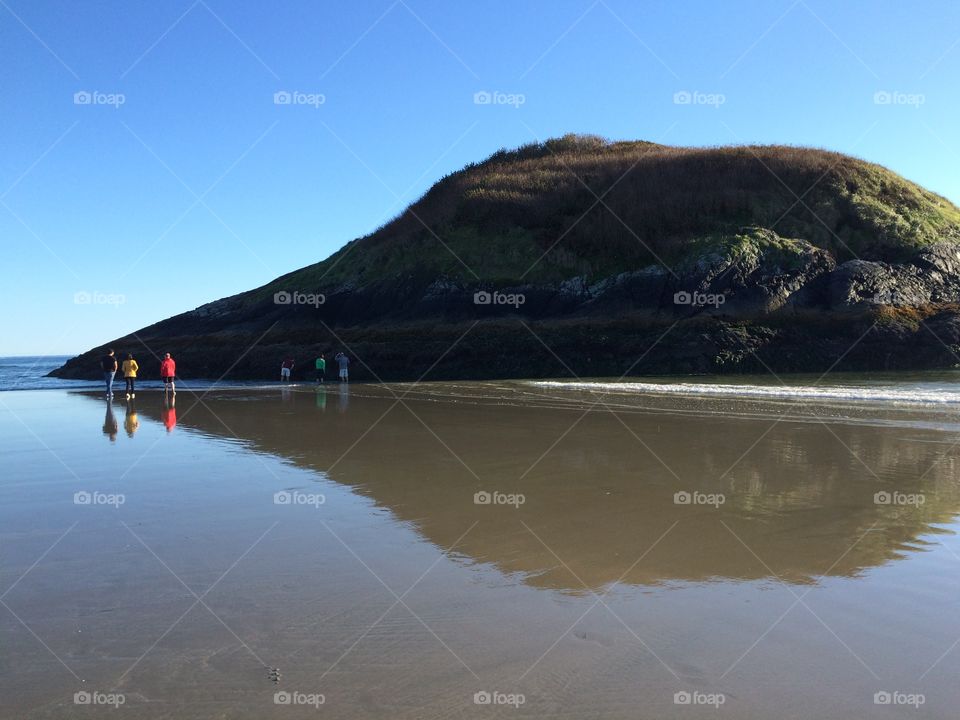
[731, 284]
[762, 282]
[931, 278]
[940, 257]
[859, 281]
[807, 277]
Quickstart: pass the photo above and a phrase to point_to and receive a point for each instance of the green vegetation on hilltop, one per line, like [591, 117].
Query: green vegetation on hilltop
[751, 244]
[584, 206]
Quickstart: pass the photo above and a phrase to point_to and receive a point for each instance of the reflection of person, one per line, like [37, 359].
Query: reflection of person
[131, 422]
[344, 399]
[110, 426]
[286, 367]
[108, 363]
[169, 412]
[130, 368]
[322, 398]
[321, 364]
[168, 371]
[344, 362]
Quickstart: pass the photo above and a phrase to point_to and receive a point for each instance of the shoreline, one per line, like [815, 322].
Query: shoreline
[529, 395]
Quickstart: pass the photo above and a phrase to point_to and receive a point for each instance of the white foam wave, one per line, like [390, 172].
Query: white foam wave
[905, 396]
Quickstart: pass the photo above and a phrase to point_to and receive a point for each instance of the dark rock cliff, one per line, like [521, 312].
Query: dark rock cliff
[672, 260]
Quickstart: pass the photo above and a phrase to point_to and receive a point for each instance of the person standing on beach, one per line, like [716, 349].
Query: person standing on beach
[286, 367]
[321, 364]
[130, 368]
[344, 362]
[168, 371]
[108, 363]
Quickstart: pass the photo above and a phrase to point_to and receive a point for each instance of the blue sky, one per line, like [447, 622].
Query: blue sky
[182, 181]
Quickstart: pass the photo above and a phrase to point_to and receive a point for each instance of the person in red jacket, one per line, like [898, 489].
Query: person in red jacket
[168, 371]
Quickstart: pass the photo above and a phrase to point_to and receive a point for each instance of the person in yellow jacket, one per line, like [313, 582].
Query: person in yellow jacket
[130, 368]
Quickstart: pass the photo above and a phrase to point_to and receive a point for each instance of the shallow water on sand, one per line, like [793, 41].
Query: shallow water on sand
[395, 550]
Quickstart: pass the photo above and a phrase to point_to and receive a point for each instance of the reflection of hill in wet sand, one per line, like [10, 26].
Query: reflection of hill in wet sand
[798, 504]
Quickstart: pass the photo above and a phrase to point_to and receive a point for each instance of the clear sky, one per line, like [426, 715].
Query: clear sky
[181, 180]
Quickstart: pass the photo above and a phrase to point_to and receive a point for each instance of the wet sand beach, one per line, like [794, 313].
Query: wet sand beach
[477, 550]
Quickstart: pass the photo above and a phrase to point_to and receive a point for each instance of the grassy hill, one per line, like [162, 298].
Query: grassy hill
[503, 217]
[599, 237]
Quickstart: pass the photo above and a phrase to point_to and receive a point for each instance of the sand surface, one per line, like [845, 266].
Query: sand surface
[343, 538]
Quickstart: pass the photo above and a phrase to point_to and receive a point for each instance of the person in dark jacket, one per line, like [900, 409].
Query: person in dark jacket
[108, 363]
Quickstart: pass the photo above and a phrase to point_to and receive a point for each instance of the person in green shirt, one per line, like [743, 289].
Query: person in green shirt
[321, 368]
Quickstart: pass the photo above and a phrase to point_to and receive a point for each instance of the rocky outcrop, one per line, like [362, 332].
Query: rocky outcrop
[736, 312]
[695, 262]
[931, 277]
